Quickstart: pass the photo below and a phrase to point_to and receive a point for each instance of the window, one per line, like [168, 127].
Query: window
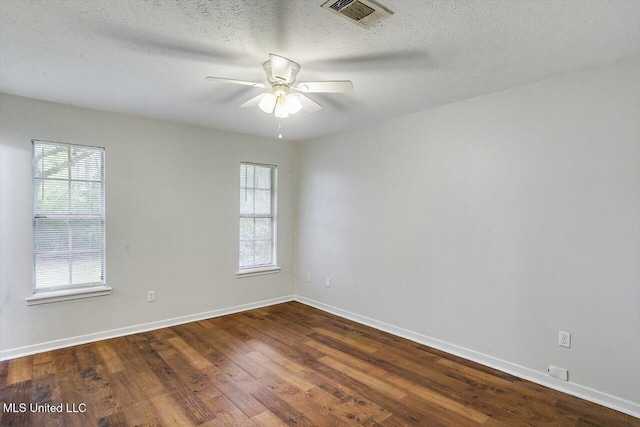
[68, 217]
[257, 218]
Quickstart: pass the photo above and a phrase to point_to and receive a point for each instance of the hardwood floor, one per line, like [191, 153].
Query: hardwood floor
[287, 364]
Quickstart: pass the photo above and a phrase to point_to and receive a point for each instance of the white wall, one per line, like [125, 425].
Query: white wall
[491, 224]
[172, 200]
[488, 224]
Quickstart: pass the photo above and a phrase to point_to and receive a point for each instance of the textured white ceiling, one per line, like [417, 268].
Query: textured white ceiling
[149, 57]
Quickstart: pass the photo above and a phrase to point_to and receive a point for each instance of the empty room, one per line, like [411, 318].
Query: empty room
[319, 213]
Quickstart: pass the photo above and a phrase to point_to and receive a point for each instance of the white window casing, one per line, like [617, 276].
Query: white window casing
[68, 222]
[258, 220]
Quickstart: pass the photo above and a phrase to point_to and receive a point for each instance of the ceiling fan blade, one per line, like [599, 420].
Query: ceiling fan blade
[334, 86]
[236, 82]
[281, 68]
[253, 101]
[308, 105]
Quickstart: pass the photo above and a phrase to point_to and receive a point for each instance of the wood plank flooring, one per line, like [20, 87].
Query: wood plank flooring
[287, 364]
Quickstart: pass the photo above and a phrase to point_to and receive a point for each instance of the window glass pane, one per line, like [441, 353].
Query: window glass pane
[246, 254]
[263, 202]
[86, 197]
[246, 176]
[246, 201]
[263, 177]
[68, 182]
[51, 197]
[263, 228]
[86, 234]
[51, 235]
[246, 229]
[52, 270]
[263, 253]
[86, 163]
[86, 268]
[256, 232]
[51, 161]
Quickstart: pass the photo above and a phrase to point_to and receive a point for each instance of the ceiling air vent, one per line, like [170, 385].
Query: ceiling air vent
[365, 13]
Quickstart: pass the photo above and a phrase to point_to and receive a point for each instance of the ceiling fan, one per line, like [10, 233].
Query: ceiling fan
[280, 101]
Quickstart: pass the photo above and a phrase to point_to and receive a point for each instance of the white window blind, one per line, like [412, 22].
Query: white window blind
[257, 216]
[68, 216]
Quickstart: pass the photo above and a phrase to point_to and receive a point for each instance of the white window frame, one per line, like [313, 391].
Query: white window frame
[70, 291]
[268, 268]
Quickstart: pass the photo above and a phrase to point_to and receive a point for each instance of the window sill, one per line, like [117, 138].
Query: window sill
[68, 294]
[257, 271]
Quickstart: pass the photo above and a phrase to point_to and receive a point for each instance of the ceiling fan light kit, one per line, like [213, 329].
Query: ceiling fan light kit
[281, 75]
[267, 103]
[281, 111]
[292, 103]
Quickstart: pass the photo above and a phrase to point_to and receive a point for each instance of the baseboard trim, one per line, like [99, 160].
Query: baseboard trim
[537, 377]
[128, 330]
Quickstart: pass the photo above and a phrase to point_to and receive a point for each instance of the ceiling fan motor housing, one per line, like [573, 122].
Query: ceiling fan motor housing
[287, 71]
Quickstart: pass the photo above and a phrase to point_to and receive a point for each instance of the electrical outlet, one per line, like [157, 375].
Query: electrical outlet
[308, 277]
[564, 339]
[151, 296]
[327, 282]
[559, 373]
